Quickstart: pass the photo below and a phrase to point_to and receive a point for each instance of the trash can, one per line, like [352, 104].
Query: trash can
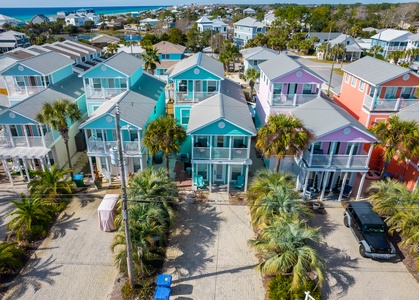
[164, 280]
[162, 293]
[78, 180]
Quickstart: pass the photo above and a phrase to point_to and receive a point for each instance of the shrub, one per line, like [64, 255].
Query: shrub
[127, 291]
[279, 289]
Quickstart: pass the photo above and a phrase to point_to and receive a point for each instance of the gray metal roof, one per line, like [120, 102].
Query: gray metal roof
[249, 22]
[199, 59]
[323, 117]
[410, 113]
[281, 65]
[229, 105]
[135, 105]
[70, 88]
[375, 71]
[122, 62]
[258, 53]
[324, 35]
[46, 63]
[392, 35]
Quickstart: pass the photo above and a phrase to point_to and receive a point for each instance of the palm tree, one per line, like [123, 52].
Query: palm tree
[163, 134]
[283, 248]
[282, 135]
[151, 58]
[251, 75]
[335, 51]
[56, 115]
[398, 138]
[395, 56]
[412, 53]
[324, 48]
[376, 49]
[111, 49]
[265, 180]
[29, 215]
[10, 257]
[51, 184]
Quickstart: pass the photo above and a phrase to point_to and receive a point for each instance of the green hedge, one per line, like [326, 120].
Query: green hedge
[279, 289]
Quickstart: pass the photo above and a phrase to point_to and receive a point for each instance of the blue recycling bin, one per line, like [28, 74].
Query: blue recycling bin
[164, 280]
[162, 293]
[78, 180]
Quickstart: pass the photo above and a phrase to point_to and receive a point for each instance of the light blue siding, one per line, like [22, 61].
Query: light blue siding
[191, 74]
[18, 119]
[14, 71]
[61, 74]
[229, 129]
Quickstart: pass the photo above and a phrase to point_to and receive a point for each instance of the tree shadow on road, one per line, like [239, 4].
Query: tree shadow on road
[36, 274]
[64, 223]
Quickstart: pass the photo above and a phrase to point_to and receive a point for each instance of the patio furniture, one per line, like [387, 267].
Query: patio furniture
[347, 190]
[199, 181]
[310, 193]
[239, 182]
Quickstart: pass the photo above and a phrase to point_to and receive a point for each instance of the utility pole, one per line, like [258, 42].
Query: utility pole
[124, 199]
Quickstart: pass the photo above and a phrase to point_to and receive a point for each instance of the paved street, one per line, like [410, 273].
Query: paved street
[351, 276]
[74, 262]
[208, 254]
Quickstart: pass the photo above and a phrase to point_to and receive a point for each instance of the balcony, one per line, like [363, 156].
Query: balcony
[25, 141]
[387, 104]
[292, 99]
[103, 93]
[193, 97]
[22, 92]
[104, 147]
[339, 161]
[220, 153]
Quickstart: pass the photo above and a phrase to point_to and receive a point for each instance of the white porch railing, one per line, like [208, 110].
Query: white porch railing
[193, 97]
[105, 147]
[292, 99]
[103, 93]
[387, 104]
[338, 160]
[218, 153]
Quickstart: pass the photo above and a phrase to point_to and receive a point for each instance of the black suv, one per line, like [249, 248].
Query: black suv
[369, 230]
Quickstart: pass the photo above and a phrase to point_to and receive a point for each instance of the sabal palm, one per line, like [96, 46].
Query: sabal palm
[398, 138]
[336, 50]
[28, 213]
[10, 256]
[163, 134]
[282, 135]
[51, 184]
[284, 249]
[252, 75]
[395, 56]
[151, 58]
[324, 48]
[56, 115]
[376, 49]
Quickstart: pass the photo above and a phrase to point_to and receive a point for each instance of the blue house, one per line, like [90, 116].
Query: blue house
[34, 74]
[169, 55]
[214, 112]
[141, 99]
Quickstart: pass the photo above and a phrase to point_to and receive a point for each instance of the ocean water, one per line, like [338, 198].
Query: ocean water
[26, 14]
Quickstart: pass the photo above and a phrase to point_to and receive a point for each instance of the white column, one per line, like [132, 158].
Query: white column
[228, 177]
[139, 142]
[361, 185]
[210, 146]
[6, 169]
[343, 186]
[141, 163]
[332, 151]
[324, 182]
[25, 164]
[249, 146]
[41, 159]
[369, 156]
[91, 168]
[246, 178]
[374, 98]
[211, 169]
[42, 136]
[230, 148]
[349, 162]
[192, 174]
[109, 170]
[87, 139]
[311, 155]
[10, 135]
[26, 135]
[48, 161]
[306, 182]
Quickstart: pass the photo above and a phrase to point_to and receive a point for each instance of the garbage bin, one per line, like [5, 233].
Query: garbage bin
[162, 293]
[164, 280]
[78, 180]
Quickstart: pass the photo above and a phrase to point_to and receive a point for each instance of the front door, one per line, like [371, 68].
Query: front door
[219, 173]
[292, 89]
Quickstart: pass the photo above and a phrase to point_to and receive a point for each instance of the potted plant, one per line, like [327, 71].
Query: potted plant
[98, 179]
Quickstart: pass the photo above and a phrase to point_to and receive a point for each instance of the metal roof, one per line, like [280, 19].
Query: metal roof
[122, 62]
[229, 105]
[410, 113]
[281, 65]
[46, 63]
[70, 88]
[199, 60]
[375, 71]
[323, 117]
[392, 35]
[249, 22]
[258, 53]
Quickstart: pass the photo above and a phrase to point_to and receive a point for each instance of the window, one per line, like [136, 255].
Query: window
[183, 84]
[348, 148]
[96, 83]
[20, 81]
[94, 107]
[212, 86]
[123, 83]
[236, 170]
[220, 141]
[13, 130]
[407, 92]
[353, 82]
[165, 56]
[202, 170]
[277, 89]
[255, 62]
[347, 76]
[201, 141]
[307, 88]
[361, 86]
[239, 142]
[184, 116]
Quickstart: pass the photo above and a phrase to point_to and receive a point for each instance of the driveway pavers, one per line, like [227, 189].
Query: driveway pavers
[208, 255]
[73, 262]
[349, 275]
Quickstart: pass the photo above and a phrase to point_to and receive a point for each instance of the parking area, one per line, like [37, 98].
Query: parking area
[350, 276]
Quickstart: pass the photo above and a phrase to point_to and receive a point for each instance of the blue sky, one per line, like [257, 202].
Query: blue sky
[93, 3]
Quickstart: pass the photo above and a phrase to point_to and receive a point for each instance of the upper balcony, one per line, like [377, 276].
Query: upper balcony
[7, 141]
[338, 161]
[387, 104]
[100, 147]
[103, 93]
[195, 97]
[291, 99]
[220, 153]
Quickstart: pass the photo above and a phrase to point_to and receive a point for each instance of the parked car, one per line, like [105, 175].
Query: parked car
[369, 230]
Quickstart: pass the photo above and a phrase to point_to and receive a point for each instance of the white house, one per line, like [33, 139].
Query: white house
[215, 25]
[246, 29]
[391, 40]
[249, 11]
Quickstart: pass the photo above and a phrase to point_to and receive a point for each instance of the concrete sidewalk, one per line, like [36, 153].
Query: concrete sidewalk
[74, 261]
[208, 255]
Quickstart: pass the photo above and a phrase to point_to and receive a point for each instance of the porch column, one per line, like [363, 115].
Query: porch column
[311, 155]
[374, 98]
[211, 167]
[91, 168]
[141, 163]
[26, 136]
[10, 135]
[228, 177]
[230, 148]
[397, 106]
[324, 182]
[361, 185]
[193, 90]
[349, 162]
[369, 156]
[294, 101]
[48, 161]
[192, 174]
[104, 138]
[17, 163]
[6, 169]
[86, 137]
[109, 170]
[42, 136]
[332, 151]
[319, 89]
[249, 146]
[25, 164]
[246, 178]
[41, 159]
[210, 147]
[306, 182]
[342, 186]
[139, 142]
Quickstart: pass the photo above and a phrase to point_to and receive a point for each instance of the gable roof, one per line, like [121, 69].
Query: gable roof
[409, 113]
[122, 62]
[204, 19]
[281, 65]
[258, 53]
[70, 88]
[392, 35]
[199, 60]
[104, 38]
[249, 22]
[136, 105]
[375, 71]
[324, 35]
[169, 48]
[323, 117]
[229, 105]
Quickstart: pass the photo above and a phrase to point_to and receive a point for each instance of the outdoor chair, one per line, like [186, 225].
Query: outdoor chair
[347, 190]
[199, 181]
[239, 182]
